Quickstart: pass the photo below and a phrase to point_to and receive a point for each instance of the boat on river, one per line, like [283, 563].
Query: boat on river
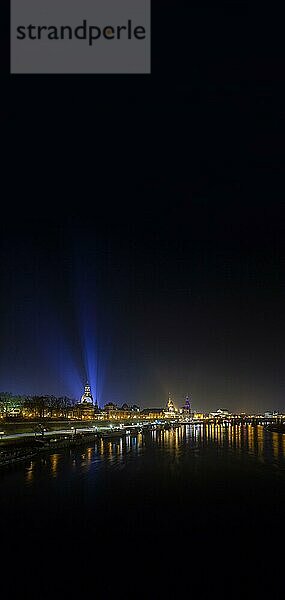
[111, 434]
[276, 428]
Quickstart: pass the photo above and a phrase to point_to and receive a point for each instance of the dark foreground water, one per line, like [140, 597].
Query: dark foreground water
[195, 508]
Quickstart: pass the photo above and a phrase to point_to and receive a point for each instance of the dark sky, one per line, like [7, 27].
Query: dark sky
[146, 225]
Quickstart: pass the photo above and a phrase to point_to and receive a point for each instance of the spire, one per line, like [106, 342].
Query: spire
[187, 405]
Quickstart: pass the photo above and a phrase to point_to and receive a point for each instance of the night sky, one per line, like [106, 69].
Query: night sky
[143, 241]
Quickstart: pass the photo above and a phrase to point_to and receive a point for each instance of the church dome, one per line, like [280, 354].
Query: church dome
[87, 396]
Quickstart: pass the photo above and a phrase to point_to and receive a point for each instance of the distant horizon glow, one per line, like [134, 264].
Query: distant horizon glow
[140, 312]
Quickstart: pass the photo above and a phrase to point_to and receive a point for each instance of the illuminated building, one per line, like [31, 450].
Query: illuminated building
[186, 409]
[271, 415]
[112, 411]
[152, 413]
[170, 410]
[14, 412]
[170, 406]
[85, 409]
[87, 396]
[187, 405]
[199, 416]
[221, 412]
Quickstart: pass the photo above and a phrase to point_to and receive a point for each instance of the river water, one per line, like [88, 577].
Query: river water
[192, 504]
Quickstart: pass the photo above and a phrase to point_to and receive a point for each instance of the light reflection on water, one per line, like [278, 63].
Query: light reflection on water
[252, 442]
[220, 489]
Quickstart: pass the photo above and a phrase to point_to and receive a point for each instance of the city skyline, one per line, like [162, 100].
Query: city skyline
[178, 403]
[18, 409]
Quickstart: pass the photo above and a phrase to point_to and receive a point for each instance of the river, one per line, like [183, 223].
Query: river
[178, 503]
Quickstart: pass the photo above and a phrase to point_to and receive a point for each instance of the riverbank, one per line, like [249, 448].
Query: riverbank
[22, 447]
[20, 451]
[49, 425]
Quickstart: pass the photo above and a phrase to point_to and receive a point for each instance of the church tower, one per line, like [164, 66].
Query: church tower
[170, 405]
[187, 408]
[187, 405]
[87, 396]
